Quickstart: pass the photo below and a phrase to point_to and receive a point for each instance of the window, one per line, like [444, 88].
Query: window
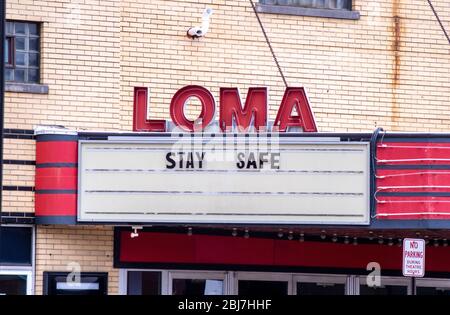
[318, 4]
[335, 9]
[16, 260]
[22, 52]
[16, 246]
[144, 283]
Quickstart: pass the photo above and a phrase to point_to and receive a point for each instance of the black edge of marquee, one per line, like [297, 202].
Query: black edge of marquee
[60, 220]
[56, 137]
[376, 224]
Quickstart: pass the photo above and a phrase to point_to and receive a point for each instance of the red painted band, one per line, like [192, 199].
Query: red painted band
[56, 178]
[56, 204]
[57, 152]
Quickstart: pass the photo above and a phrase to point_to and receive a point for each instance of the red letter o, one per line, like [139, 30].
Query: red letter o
[182, 96]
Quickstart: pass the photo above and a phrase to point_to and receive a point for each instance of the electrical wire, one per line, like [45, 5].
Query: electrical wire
[268, 43]
[439, 20]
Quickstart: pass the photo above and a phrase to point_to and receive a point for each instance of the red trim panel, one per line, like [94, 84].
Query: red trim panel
[152, 247]
[56, 152]
[425, 208]
[396, 153]
[416, 185]
[424, 180]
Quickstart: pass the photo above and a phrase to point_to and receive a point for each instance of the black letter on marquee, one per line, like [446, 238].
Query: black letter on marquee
[170, 160]
[241, 163]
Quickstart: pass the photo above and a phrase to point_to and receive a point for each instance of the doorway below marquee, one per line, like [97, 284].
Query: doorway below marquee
[199, 282]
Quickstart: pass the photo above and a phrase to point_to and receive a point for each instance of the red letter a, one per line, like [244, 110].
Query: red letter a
[295, 98]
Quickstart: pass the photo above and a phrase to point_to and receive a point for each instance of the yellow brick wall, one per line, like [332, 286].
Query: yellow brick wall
[57, 247]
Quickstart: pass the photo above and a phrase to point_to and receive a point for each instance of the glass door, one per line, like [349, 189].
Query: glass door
[198, 283]
[261, 283]
[388, 286]
[432, 287]
[320, 285]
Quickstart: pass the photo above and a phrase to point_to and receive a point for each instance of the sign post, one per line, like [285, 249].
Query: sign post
[413, 257]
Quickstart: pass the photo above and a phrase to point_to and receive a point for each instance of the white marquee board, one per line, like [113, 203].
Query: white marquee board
[321, 182]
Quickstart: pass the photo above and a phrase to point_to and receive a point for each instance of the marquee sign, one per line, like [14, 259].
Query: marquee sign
[284, 180]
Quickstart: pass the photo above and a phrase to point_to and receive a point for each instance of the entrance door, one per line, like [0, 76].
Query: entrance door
[388, 286]
[197, 283]
[260, 283]
[432, 287]
[320, 285]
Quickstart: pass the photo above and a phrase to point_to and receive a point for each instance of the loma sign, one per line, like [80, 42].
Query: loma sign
[254, 111]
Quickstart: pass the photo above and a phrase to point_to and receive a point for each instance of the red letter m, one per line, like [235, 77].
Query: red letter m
[231, 106]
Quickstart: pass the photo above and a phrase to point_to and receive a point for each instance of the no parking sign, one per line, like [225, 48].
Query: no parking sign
[413, 257]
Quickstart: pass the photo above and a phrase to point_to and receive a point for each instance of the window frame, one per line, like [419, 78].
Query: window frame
[27, 51]
[11, 51]
[17, 271]
[348, 7]
[28, 270]
[347, 13]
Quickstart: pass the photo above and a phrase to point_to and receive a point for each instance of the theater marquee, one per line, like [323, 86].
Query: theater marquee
[209, 180]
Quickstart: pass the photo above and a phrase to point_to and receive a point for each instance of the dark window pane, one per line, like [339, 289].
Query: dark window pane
[19, 75]
[432, 291]
[33, 75]
[287, 2]
[33, 29]
[144, 283]
[263, 288]
[320, 4]
[7, 50]
[9, 28]
[197, 287]
[9, 74]
[383, 290]
[33, 60]
[34, 44]
[20, 42]
[21, 59]
[20, 28]
[308, 288]
[15, 246]
[306, 3]
[13, 285]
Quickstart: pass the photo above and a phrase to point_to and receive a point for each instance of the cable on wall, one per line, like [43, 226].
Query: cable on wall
[439, 20]
[268, 43]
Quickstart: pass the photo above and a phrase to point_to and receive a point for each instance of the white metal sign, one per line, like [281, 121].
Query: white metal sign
[413, 257]
[287, 181]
